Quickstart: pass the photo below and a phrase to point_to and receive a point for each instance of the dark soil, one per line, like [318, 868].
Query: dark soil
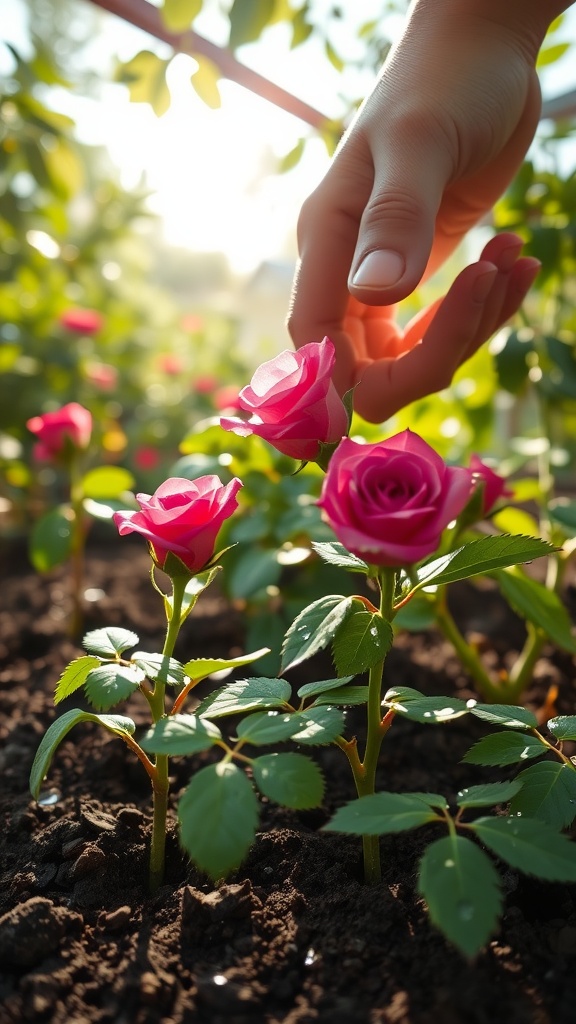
[294, 936]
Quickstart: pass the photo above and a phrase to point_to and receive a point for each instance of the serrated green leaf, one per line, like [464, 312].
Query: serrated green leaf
[538, 604]
[505, 714]
[266, 727]
[180, 734]
[563, 727]
[318, 725]
[336, 554]
[314, 629]
[504, 748]
[487, 795]
[401, 695]
[218, 815]
[59, 729]
[246, 695]
[429, 710]
[548, 793]
[380, 814]
[323, 686]
[291, 780]
[482, 556]
[106, 482]
[531, 846]
[109, 642]
[159, 668]
[462, 890]
[74, 676]
[363, 639]
[199, 668]
[433, 800]
[108, 684]
[51, 539]
[345, 696]
[178, 15]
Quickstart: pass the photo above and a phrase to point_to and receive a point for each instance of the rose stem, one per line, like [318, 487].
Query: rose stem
[465, 652]
[160, 783]
[77, 545]
[375, 732]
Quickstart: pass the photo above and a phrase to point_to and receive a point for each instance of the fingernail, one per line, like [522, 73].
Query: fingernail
[379, 269]
[482, 285]
[508, 257]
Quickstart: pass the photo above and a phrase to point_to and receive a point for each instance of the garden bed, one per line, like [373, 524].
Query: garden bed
[294, 936]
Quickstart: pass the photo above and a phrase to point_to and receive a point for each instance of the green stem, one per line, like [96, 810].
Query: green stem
[365, 778]
[522, 671]
[465, 652]
[160, 783]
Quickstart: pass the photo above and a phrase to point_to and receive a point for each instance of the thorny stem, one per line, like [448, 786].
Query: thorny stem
[160, 783]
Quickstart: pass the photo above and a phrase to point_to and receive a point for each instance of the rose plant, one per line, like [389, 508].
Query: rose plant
[219, 810]
[64, 439]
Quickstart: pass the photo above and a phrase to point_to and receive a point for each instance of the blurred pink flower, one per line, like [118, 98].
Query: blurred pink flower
[204, 385]
[102, 376]
[146, 457]
[170, 364]
[72, 423]
[494, 485]
[81, 321]
[192, 323]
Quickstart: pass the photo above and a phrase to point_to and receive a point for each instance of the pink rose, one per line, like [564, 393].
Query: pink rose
[182, 517]
[102, 376]
[82, 321]
[293, 402]
[389, 502]
[494, 484]
[72, 422]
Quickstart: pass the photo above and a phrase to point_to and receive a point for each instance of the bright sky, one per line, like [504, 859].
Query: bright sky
[212, 172]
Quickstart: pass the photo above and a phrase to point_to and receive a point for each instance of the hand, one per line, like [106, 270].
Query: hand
[432, 148]
[393, 367]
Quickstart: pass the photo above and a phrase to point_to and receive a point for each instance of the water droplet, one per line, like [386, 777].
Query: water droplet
[449, 864]
[94, 594]
[310, 957]
[525, 753]
[373, 631]
[220, 979]
[471, 703]
[49, 797]
[427, 714]
[466, 911]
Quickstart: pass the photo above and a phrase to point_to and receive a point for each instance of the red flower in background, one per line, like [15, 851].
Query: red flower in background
[82, 321]
[146, 457]
[227, 397]
[72, 423]
[102, 376]
[494, 485]
[170, 364]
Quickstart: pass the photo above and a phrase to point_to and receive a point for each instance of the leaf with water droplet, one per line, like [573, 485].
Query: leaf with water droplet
[530, 845]
[313, 629]
[504, 748]
[548, 792]
[488, 795]
[363, 640]
[462, 889]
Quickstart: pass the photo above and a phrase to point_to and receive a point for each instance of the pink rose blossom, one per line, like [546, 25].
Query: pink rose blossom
[205, 385]
[82, 321]
[182, 517]
[170, 364]
[389, 502]
[494, 484]
[72, 423]
[102, 376]
[293, 402]
[146, 457]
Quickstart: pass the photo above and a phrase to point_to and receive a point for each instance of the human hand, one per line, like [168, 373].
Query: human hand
[392, 367]
[432, 148]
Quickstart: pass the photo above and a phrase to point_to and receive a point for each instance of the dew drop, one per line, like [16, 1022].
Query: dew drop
[49, 798]
[465, 911]
[94, 594]
[220, 979]
[310, 957]
[449, 863]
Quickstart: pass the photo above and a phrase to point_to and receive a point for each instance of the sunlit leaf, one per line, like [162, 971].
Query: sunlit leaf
[106, 482]
[314, 629]
[180, 734]
[109, 641]
[487, 795]
[51, 539]
[60, 728]
[246, 695]
[380, 814]
[504, 748]
[362, 641]
[74, 676]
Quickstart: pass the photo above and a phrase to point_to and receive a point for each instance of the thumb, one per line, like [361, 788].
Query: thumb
[397, 227]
